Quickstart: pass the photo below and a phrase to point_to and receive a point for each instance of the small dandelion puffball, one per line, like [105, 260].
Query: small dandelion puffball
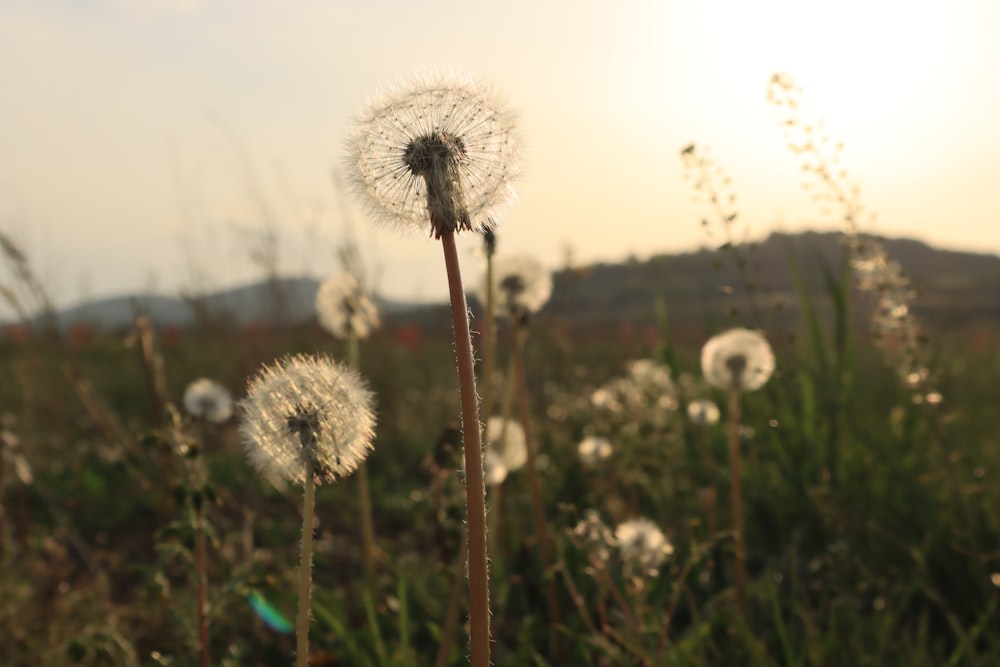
[643, 546]
[307, 408]
[440, 150]
[593, 536]
[506, 449]
[343, 308]
[737, 359]
[703, 412]
[593, 450]
[207, 399]
[521, 286]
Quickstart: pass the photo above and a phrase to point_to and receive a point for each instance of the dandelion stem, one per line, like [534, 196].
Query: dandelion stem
[736, 493]
[475, 490]
[364, 495]
[201, 595]
[535, 487]
[305, 569]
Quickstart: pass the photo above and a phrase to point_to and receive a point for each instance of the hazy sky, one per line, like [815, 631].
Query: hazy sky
[143, 143]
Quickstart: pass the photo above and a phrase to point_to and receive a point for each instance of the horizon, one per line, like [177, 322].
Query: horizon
[154, 144]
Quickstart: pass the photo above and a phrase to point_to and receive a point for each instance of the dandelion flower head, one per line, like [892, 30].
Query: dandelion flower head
[594, 536]
[207, 399]
[644, 547]
[307, 409]
[439, 151]
[506, 449]
[521, 286]
[738, 359]
[702, 411]
[344, 309]
[593, 449]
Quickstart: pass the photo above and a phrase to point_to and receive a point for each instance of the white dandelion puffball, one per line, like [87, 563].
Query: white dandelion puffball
[438, 151]
[505, 449]
[643, 545]
[521, 286]
[307, 408]
[738, 359]
[506, 438]
[703, 412]
[593, 450]
[207, 399]
[343, 308]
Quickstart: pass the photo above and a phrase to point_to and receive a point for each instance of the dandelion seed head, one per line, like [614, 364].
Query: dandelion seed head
[644, 547]
[521, 286]
[207, 399]
[594, 449]
[344, 309]
[594, 537]
[506, 442]
[440, 150]
[737, 359]
[305, 409]
[703, 412]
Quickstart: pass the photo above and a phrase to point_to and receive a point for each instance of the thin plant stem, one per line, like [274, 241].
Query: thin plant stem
[475, 489]
[201, 594]
[305, 569]
[489, 340]
[364, 495]
[535, 487]
[736, 493]
[450, 625]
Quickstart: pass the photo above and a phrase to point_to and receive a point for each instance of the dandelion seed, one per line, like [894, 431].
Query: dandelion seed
[593, 450]
[521, 286]
[343, 309]
[703, 412]
[737, 359]
[440, 151]
[307, 409]
[207, 399]
[643, 546]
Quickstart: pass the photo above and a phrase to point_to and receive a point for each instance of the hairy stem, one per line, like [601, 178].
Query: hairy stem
[305, 569]
[736, 493]
[475, 489]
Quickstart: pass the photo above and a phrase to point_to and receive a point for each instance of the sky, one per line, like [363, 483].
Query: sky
[161, 145]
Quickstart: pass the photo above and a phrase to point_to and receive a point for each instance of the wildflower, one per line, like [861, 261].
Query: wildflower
[593, 450]
[737, 359]
[703, 412]
[207, 399]
[307, 409]
[593, 536]
[506, 449]
[643, 546]
[441, 151]
[343, 308]
[521, 286]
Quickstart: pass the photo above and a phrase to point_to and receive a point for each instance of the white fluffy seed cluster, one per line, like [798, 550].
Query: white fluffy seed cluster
[593, 449]
[644, 548]
[207, 399]
[703, 412]
[738, 359]
[315, 396]
[506, 449]
[521, 286]
[462, 131]
[343, 308]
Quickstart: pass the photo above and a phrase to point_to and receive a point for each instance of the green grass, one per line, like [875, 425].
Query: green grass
[871, 521]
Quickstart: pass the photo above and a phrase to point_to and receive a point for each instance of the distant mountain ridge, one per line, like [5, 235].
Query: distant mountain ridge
[952, 288]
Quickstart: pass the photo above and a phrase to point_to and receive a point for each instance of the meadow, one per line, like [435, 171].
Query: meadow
[821, 495]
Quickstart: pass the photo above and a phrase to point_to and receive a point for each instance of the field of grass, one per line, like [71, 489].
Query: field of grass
[872, 530]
